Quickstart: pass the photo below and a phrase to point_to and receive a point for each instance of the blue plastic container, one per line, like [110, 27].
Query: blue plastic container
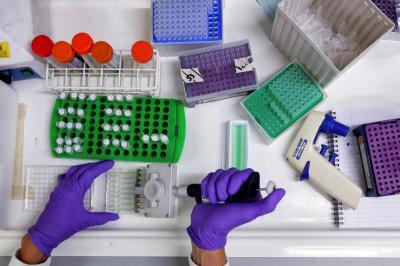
[187, 21]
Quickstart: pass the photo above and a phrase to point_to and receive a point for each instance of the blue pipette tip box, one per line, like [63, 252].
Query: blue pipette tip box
[187, 21]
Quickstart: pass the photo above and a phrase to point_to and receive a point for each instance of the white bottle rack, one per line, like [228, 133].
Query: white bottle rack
[130, 77]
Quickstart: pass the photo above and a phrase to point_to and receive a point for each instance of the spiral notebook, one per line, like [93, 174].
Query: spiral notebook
[372, 212]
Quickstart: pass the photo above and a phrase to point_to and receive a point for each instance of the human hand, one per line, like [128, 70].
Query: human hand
[65, 214]
[211, 223]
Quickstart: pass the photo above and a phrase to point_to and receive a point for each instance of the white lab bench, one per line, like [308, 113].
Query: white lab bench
[302, 226]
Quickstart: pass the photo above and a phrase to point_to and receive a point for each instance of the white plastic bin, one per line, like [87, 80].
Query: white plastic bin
[359, 22]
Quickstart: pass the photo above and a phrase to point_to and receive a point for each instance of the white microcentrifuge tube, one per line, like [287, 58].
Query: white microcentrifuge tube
[63, 96]
[106, 142]
[116, 128]
[78, 148]
[92, 97]
[128, 113]
[68, 141]
[77, 140]
[164, 139]
[71, 110]
[109, 112]
[125, 127]
[60, 141]
[62, 112]
[68, 149]
[61, 124]
[70, 126]
[80, 113]
[116, 142]
[74, 96]
[82, 96]
[155, 137]
[128, 98]
[110, 98]
[125, 145]
[118, 112]
[119, 98]
[145, 139]
[106, 127]
[59, 150]
[78, 126]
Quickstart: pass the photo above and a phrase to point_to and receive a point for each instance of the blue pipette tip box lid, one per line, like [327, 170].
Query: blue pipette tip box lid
[187, 21]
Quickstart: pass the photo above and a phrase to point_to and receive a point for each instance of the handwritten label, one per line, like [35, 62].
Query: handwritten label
[243, 65]
[4, 50]
[191, 75]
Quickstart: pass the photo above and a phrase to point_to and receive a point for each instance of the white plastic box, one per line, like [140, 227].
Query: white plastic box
[359, 20]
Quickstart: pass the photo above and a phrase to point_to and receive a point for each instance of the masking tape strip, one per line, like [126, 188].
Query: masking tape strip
[18, 190]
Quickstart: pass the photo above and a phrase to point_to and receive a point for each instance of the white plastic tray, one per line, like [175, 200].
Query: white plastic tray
[130, 77]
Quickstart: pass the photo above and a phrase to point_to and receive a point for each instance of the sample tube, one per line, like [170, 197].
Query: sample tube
[116, 142]
[74, 96]
[63, 96]
[128, 113]
[146, 139]
[64, 54]
[82, 96]
[92, 97]
[103, 53]
[142, 52]
[82, 43]
[129, 98]
[118, 112]
[106, 142]
[155, 137]
[68, 141]
[60, 141]
[119, 98]
[42, 46]
[62, 112]
[109, 112]
[59, 150]
[125, 127]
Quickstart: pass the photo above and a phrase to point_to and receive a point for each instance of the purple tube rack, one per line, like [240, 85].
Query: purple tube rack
[389, 8]
[217, 67]
[383, 140]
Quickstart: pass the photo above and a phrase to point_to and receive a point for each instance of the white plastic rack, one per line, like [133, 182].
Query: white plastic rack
[130, 77]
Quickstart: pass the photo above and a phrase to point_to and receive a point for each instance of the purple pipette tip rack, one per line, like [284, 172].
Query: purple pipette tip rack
[383, 141]
[217, 67]
[389, 8]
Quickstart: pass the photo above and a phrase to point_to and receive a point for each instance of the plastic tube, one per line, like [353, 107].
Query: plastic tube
[82, 43]
[42, 47]
[103, 53]
[142, 52]
[64, 54]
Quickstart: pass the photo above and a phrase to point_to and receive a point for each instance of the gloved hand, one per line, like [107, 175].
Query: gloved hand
[211, 223]
[64, 214]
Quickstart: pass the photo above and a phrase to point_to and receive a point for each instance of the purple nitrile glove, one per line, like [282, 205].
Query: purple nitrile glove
[211, 223]
[65, 214]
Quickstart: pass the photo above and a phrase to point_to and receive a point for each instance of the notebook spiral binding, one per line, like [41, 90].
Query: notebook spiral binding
[337, 206]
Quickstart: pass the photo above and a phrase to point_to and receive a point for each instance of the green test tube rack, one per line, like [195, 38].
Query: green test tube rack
[141, 129]
[283, 100]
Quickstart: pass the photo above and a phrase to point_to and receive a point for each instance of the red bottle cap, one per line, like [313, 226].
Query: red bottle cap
[102, 52]
[82, 43]
[63, 52]
[42, 45]
[142, 51]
